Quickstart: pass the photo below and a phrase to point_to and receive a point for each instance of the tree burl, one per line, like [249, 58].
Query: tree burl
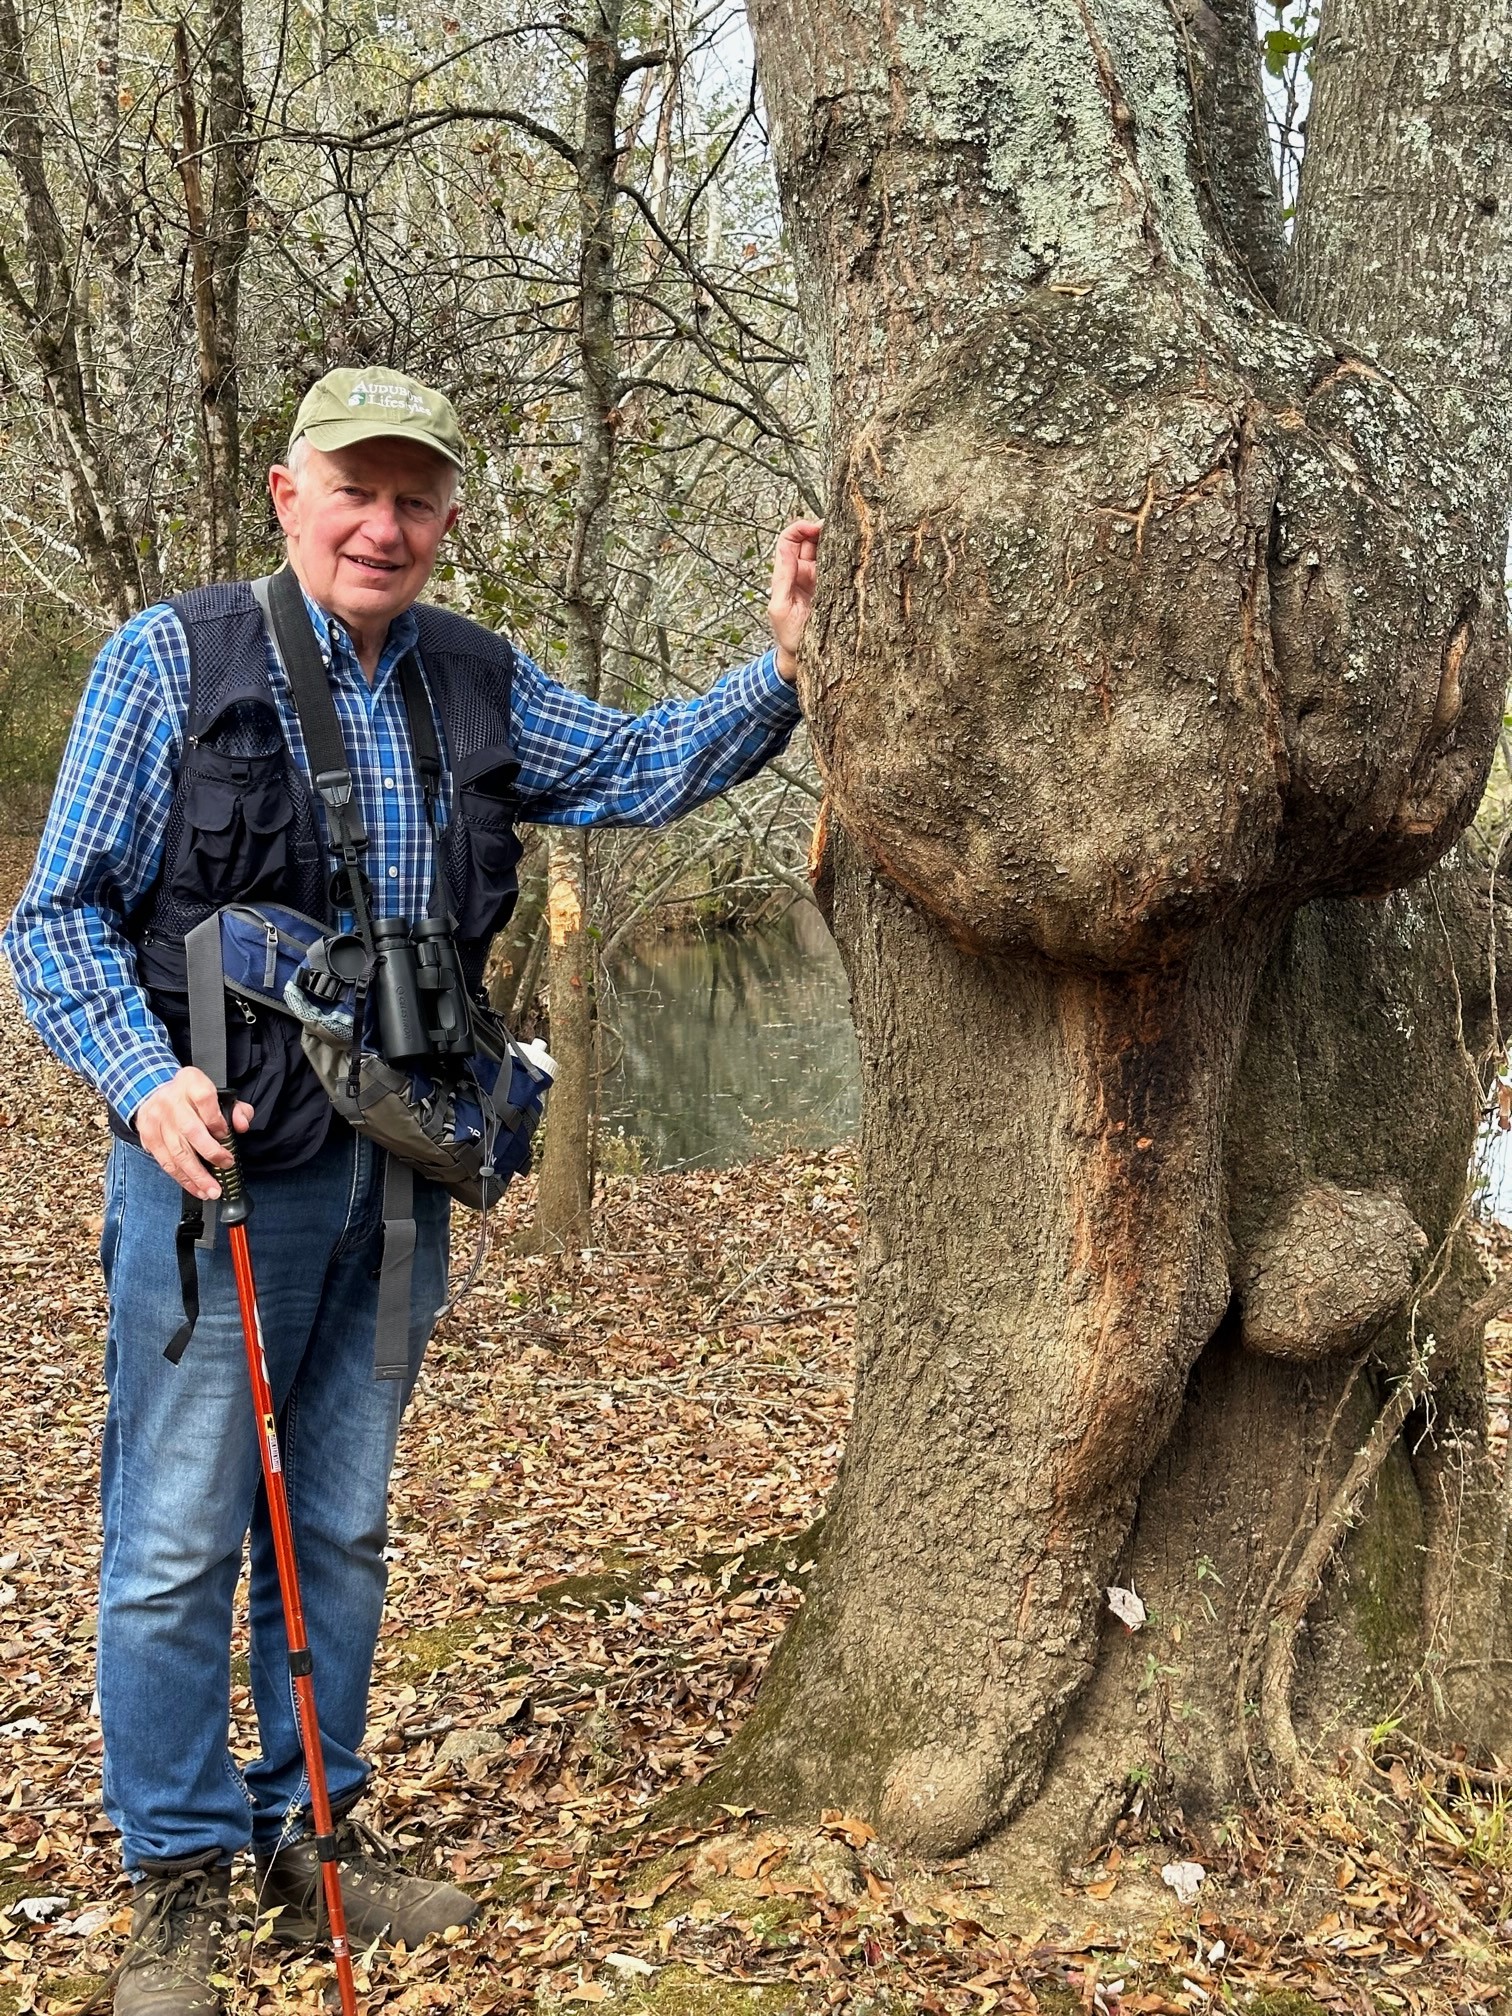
[1161, 638]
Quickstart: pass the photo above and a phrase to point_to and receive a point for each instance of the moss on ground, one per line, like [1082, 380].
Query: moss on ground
[786, 1554]
[515, 1880]
[21, 1883]
[680, 1991]
[1283, 2002]
[603, 1590]
[411, 1655]
[59, 1991]
[717, 1897]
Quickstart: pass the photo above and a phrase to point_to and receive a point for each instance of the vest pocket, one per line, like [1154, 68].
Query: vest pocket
[485, 812]
[237, 812]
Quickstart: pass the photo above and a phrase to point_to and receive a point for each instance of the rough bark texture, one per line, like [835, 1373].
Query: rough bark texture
[1403, 218]
[1235, 176]
[1147, 618]
[1354, 1079]
[218, 225]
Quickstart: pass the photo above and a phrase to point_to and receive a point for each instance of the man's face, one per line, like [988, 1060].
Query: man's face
[363, 525]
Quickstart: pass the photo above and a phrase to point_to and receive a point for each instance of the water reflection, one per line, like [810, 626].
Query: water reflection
[733, 1046]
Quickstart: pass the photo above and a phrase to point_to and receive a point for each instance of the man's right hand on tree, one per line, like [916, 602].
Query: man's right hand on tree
[183, 1129]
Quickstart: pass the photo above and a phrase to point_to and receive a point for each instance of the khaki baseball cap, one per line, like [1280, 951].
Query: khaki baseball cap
[349, 406]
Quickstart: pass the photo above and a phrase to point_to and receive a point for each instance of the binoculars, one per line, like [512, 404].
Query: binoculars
[419, 992]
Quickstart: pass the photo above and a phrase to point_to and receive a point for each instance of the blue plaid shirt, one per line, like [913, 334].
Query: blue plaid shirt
[580, 765]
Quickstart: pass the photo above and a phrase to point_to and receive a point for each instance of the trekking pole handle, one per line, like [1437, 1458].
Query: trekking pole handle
[236, 1205]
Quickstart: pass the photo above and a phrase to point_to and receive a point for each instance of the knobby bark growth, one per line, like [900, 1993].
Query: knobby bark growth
[1161, 636]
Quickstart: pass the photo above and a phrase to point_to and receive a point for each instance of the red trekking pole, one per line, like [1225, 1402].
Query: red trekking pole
[234, 1212]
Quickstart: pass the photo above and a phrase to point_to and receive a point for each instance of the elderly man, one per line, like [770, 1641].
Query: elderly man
[185, 786]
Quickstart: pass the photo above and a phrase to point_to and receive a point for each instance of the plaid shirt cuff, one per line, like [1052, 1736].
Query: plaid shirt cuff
[762, 688]
[125, 1085]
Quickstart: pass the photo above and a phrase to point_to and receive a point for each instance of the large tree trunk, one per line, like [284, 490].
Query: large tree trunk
[1146, 618]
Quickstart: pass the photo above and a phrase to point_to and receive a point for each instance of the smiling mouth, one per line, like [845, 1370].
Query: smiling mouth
[373, 566]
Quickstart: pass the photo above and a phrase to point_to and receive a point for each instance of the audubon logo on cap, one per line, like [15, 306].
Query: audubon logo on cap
[393, 398]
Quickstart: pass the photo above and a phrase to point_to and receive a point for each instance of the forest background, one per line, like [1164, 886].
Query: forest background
[578, 238]
[209, 210]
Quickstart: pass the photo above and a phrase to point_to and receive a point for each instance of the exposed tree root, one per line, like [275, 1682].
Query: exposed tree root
[1290, 1606]
[1453, 1767]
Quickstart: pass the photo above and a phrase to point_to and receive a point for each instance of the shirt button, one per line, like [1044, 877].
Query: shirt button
[394, 874]
[388, 783]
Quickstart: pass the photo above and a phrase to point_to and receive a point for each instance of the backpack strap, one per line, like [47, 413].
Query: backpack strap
[207, 1000]
[427, 752]
[207, 1052]
[391, 1343]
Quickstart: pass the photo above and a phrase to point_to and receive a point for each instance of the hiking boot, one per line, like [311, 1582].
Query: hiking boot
[382, 1899]
[180, 1913]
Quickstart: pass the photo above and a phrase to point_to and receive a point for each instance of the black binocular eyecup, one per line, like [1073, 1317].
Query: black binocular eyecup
[423, 1014]
[347, 957]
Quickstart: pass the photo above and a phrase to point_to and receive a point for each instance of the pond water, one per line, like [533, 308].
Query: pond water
[733, 1046]
[1492, 1174]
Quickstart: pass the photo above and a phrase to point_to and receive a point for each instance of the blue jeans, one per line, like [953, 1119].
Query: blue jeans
[181, 1486]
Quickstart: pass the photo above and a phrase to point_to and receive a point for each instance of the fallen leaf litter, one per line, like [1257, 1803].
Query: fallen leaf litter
[600, 1486]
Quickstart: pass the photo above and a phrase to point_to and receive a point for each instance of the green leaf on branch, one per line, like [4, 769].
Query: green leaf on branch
[1281, 45]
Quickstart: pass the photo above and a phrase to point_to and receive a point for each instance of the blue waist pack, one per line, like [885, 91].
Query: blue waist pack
[466, 1123]
[464, 1120]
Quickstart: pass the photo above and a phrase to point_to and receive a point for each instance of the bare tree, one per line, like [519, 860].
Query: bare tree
[217, 220]
[421, 202]
[566, 1187]
[44, 302]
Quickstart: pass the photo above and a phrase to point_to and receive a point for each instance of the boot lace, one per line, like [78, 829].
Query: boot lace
[174, 1896]
[163, 1931]
[355, 1838]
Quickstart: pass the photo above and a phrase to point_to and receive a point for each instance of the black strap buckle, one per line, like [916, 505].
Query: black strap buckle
[335, 787]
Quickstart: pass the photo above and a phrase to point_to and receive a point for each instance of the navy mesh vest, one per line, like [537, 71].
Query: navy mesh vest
[244, 827]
